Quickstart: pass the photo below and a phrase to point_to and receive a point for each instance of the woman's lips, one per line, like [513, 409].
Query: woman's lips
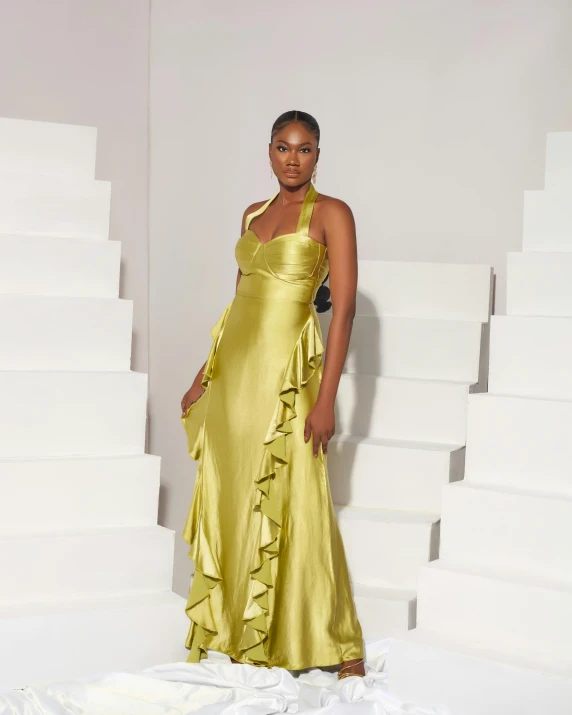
[292, 173]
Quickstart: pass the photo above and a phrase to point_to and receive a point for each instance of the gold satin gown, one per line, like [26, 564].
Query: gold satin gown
[271, 584]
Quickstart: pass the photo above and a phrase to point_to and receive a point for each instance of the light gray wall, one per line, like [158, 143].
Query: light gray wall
[87, 63]
[434, 116]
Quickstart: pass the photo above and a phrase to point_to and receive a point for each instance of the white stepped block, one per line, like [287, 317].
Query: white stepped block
[519, 442]
[60, 641]
[424, 290]
[33, 147]
[382, 474]
[507, 529]
[531, 356]
[413, 348]
[384, 612]
[539, 284]
[45, 414]
[434, 672]
[54, 206]
[558, 160]
[485, 608]
[78, 492]
[40, 265]
[398, 409]
[85, 563]
[387, 548]
[64, 333]
[547, 220]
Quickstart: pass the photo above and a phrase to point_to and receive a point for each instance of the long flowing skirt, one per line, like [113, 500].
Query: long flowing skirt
[271, 584]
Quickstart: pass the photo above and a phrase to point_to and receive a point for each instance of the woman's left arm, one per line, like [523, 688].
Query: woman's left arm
[340, 234]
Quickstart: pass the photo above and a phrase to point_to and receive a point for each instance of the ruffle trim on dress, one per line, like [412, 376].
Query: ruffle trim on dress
[304, 361]
[194, 420]
[207, 575]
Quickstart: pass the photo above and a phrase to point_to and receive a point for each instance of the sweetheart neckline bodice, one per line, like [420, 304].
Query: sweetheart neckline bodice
[296, 234]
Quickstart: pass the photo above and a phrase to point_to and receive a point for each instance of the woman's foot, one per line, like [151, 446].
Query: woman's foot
[352, 667]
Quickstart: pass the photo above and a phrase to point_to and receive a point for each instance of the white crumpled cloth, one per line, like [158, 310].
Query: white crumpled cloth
[215, 686]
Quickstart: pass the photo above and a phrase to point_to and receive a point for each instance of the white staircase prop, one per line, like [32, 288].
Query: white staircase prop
[531, 356]
[521, 443]
[74, 333]
[414, 357]
[41, 265]
[539, 284]
[52, 414]
[79, 506]
[494, 617]
[30, 147]
[54, 206]
[408, 475]
[86, 570]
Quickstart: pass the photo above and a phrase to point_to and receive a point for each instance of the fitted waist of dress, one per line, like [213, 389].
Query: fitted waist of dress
[261, 287]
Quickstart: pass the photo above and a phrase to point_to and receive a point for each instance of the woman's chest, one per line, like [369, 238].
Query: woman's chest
[290, 257]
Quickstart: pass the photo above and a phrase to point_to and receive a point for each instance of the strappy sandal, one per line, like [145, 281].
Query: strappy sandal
[342, 675]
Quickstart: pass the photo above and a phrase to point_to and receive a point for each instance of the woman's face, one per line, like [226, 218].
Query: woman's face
[293, 154]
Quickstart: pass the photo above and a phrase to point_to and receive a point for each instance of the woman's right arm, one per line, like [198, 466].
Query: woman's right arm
[194, 392]
[196, 389]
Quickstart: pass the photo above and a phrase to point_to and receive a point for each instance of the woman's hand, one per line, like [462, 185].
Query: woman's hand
[190, 396]
[321, 425]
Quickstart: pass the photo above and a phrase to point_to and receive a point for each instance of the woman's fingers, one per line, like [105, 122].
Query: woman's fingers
[319, 438]
[316, 443]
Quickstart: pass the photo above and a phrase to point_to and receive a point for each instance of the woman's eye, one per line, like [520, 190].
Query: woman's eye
[281, 147]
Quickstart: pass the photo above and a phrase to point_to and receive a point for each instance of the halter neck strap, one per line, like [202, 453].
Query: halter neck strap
[305, 213]
[259, 211]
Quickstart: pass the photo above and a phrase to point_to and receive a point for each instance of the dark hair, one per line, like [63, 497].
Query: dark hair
[296, 116]
[322, 299]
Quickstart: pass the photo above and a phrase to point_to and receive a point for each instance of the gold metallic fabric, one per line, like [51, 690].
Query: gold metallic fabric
[271, 584]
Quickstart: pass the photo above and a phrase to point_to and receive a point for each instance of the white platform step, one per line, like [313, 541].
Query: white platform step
[384, 612]
[547, 220]
[399, 409]
[78, 492]
[381, 474]
[511, 529]
[424, 290]
[85, 564]
[520, 616]
[531, 356]
[55, 333]
[387, 548]
[45, 414]
[33, 147]
[433, 671]
[539, 284]
[558, 173]
[55, 206]
[413, 347]
[65, 640]
[520, 442]
[42, 265]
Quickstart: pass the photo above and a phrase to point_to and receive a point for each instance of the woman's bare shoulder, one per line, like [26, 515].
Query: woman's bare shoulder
[254, 207]
[332, 208]
[250, 209]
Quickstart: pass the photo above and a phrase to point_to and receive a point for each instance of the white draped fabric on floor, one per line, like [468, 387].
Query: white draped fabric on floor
[216, 687]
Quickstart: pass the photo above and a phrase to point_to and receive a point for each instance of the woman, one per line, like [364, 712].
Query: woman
[271, 584]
